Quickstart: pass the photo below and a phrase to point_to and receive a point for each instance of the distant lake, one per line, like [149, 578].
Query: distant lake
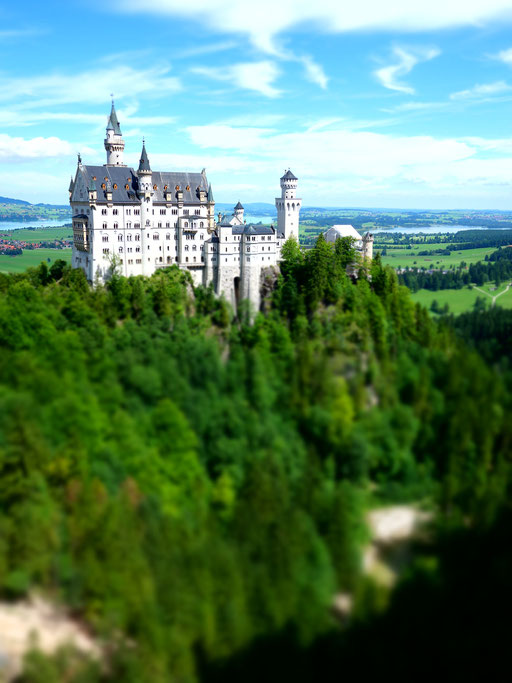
[431, 229]
[253, 218]
[14, 225]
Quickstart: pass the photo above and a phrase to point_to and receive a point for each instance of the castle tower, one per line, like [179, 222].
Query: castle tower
[239, 212]
[288, 207]
[368, 246]
[211, 209]
[114, 143]
[145, 181]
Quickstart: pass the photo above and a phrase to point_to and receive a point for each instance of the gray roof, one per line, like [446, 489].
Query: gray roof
[71, 184]
[253, 230]
[121, 176]
[289, 176]
[113, 123]
[238, 206]
[210, 193]
[144, 161]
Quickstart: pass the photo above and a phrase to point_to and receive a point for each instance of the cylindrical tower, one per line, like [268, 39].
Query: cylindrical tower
[288, 207]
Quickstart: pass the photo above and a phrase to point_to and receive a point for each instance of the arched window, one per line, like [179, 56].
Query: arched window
[120, 237]
[168, 236]
[128, 225]
[120, 250]
[116, 226]
[137, 237]
[104, 226]
[194, 259]
[186, 259]
[186, 224]
[201, 225]
[186, 247]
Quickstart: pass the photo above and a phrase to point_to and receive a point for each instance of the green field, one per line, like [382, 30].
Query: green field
[17, 264]
[37, 234]
[408, 258]
[462, 300]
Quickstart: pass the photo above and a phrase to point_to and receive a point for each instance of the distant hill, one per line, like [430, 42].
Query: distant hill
[8, 200]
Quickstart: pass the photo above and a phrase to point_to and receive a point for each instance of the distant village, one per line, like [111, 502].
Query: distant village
[14, 247]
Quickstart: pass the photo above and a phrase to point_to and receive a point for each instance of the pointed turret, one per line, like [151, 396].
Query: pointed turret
[238, 207]
[113, 122]
[210, 193]
[114, 143]
[71, 186]
[144, 166]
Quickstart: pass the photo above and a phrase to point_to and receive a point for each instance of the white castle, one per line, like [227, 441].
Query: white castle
[140, 221]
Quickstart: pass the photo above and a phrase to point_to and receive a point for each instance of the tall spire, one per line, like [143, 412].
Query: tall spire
[144, 166]
[210, 193]
[114, 143]
[113, 123]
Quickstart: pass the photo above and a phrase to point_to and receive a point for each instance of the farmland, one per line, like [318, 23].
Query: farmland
[37, 234]
[29, 258]
[409, 258]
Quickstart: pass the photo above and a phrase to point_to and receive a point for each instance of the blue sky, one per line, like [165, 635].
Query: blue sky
[378, 104]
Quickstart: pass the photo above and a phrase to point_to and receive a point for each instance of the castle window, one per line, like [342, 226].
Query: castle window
[198, 212]
[187, 247]
[115, 186]
[116, 226]
[120, 250]
[103, 212]
[137, 237]
[167, 225]
[138, 260]
[201, 225]
[186, 259]
[104, 226]
[194, 248]
[115, 212]
[195, 259]
[128, 225]
[129, 250]
[159, 225]
[186, 224]
[174, 212]
[162, 212]
[104, 238]
[185, 212]
[126, 187]
[128, 212]
[201, 236]
[130, 261]
[120, 238]
[129, 238]
[168, 236]
[136, 212]
[137, 249]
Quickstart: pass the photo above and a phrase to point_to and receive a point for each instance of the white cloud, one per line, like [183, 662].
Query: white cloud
[505, 56]
[256, 76]
[266, 19]
[92, 87]
[339, 166]
[13, 149]
[482, 91]
[406, 61]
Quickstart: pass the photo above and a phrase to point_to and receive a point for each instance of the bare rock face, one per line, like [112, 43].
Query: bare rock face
[38, 623]
[268, 283]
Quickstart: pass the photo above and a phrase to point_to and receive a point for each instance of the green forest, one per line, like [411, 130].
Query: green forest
[192, 481]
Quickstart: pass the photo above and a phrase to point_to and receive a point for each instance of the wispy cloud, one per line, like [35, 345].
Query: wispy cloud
[406, 60]
[268, 19]
[256, 76]
[482, 91]
[15, 33]
[92, 87]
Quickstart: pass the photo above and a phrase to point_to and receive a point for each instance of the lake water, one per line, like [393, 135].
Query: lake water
[14, 225]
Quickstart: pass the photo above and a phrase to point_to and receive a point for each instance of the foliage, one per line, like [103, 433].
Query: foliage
[189, 483]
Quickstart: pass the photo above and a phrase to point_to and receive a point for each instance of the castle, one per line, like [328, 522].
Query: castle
[139, 221]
